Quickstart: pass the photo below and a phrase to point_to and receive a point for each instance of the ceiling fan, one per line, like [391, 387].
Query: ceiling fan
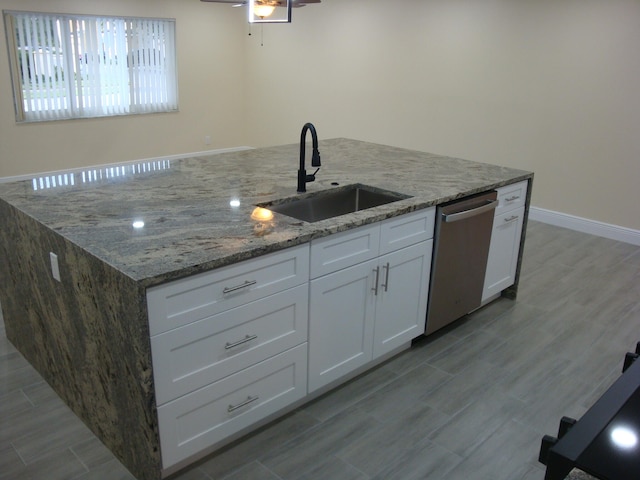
[244, 3]
[261, 11]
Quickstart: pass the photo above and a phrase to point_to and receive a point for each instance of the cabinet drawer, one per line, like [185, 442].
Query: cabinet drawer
[406, 230]
[201, 419]
[511, 196]
[190, 357]
[200, 296]
[335, 252]
[503, 252]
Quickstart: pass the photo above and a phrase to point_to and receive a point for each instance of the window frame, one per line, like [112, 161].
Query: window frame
[166, 88]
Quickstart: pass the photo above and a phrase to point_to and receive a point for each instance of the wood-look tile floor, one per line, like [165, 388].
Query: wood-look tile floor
[471, 402]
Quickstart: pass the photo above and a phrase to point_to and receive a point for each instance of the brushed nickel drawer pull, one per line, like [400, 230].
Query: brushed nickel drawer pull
[246, 339]
[511, 219]
[250, 399]
[511, 199]
[375, 285]
[386, 268]
[246, 284]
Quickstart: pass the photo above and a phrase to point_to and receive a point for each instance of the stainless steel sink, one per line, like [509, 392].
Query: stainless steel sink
[333, 203]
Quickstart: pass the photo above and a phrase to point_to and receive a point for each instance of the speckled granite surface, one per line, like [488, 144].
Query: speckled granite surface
[190, 225]
[579, 475]
[88, 335]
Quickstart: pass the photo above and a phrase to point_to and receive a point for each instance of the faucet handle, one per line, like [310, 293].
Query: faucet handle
[312, 176]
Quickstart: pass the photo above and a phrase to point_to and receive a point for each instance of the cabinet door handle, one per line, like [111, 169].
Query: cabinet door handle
[246, 284]
[250, 399]
[386, 277]
[511, 218]
[511, 199]
[246, 339]
[375, 283]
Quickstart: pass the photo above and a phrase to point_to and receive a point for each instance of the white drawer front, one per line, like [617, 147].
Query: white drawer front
[201, 419]
[190, 357]
[344, 249]
[511, 196]
[200, 296]
[406, 230]
[503, 252]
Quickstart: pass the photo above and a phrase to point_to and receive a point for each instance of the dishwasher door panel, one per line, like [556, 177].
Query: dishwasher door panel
[463, 234]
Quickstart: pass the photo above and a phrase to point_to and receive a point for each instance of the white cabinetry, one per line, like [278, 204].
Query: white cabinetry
[402, 297]
[368, 293]
[505, 239]
[228, 348]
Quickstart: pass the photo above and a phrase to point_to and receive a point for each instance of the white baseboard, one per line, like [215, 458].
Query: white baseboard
[593, 227]
[144, 160]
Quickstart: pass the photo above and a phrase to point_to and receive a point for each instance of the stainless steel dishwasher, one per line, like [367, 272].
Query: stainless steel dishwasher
[462, 236]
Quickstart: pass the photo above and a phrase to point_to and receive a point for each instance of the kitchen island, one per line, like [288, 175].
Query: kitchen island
[113, 233]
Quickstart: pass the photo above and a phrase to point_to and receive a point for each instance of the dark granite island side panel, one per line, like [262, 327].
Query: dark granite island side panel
[87, 335]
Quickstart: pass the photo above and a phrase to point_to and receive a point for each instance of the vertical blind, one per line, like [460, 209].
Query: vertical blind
[71, 66]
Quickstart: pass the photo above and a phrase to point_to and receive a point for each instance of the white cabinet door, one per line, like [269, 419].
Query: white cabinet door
[355, 292]
[341, 307]
[503, 252]
[402, 297]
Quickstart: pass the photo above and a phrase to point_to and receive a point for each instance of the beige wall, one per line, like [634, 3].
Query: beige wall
[210, 44]
[545, 85]
[551, 86]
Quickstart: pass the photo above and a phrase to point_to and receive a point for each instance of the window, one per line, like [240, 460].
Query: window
[78, 66]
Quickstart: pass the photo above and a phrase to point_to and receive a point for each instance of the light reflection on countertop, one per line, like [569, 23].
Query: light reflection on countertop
[197, 212]
[98, 174]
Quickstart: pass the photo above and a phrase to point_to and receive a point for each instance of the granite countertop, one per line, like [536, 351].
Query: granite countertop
[577, 474]
[197, 211]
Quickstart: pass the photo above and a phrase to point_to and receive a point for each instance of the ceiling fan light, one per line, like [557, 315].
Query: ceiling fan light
[263, 11]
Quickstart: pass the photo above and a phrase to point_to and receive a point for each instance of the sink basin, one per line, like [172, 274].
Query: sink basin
[333, 203]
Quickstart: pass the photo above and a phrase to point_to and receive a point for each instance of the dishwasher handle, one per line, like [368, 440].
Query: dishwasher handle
[455, 217]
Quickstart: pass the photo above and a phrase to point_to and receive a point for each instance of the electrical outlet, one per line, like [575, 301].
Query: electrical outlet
[55, 268]
[207, 140]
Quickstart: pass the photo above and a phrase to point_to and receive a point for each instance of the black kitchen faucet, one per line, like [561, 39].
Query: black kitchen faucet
[303, 178]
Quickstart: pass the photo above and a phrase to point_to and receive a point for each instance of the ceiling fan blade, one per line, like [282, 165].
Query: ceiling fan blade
[303, 3]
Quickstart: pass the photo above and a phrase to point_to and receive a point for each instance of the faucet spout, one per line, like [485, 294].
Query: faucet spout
[303, 178]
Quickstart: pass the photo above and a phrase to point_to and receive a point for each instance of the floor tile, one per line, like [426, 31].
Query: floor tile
[426, 461]
[335, 469]
[112, 470]
[382, 446]
[253, 471]
[465, 388]
[92, 453]
[296, 458]
[469, 428]
[457, 357]
[11, 466]
[349, 394]
[402, 394]
[57, 465]
[504, 455]
[58, 433]
[258, 444]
